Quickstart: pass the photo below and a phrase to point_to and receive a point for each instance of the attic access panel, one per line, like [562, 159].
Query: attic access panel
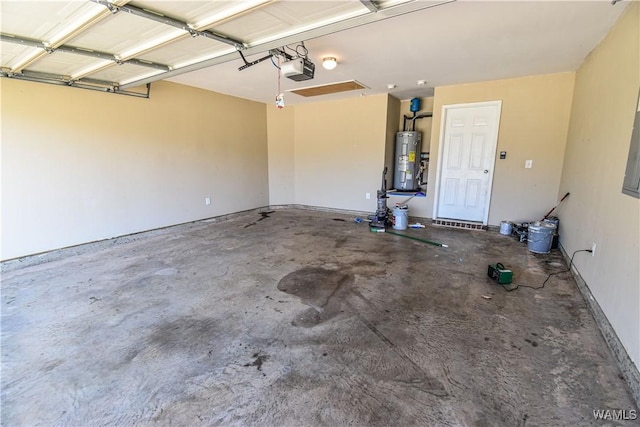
[329, 89]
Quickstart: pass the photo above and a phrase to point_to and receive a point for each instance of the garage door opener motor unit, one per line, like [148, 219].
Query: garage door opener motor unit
[298, 69]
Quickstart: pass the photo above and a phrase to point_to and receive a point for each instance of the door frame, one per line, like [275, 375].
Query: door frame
[443, 120]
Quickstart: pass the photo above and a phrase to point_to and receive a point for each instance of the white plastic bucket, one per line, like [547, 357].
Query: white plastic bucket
[400, 218]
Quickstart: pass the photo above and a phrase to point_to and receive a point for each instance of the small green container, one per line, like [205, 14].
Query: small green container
[500, 274]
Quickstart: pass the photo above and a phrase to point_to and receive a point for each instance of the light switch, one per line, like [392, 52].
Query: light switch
[528, 164]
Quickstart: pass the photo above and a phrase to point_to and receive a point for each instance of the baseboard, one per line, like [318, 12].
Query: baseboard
[627, 367]
[61, 253]
[322, 209]
[81, 248]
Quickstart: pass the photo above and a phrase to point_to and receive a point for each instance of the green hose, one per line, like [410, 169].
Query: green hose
[418, 239]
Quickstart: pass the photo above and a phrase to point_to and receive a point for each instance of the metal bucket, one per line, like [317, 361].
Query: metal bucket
[506, 227]
[400, 217]
[540, 237]
[554, 220]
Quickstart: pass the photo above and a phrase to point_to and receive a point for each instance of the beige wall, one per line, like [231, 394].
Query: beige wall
[533, 125]
[80, 166]
[339, 152]
[281, 140]
[596, 154]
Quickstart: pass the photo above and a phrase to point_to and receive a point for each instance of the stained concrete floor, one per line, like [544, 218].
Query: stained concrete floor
[300, 318]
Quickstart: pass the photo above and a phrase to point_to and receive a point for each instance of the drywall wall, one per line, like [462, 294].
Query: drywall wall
[533, 125]
[80, 166]
[281, 143]
[597, 211]
[339, 152]
[418, 206]
[393, 111]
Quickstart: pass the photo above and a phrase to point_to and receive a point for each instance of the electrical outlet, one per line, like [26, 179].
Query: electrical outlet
[367, 196]
[207, 200]
[528, 164]
[593, 249]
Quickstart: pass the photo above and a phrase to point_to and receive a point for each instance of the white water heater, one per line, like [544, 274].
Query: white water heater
[407, 161]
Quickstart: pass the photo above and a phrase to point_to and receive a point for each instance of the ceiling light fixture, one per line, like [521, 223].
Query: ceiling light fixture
[329, 63]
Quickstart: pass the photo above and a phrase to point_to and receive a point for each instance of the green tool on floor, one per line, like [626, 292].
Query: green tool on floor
[500, 274]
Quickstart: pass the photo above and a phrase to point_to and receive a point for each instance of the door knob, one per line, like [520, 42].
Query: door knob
[486, 171]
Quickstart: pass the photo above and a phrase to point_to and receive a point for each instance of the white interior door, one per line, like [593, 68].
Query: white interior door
[469, 136]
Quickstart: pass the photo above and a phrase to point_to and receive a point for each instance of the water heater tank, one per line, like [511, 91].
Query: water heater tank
[407, 161]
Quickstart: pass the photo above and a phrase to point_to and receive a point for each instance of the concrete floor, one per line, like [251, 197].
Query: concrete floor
[301, 318]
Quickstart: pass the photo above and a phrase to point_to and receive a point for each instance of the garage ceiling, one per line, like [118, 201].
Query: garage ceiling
[119, 45]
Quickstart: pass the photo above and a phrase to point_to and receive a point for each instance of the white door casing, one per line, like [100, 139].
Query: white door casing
[468, 141]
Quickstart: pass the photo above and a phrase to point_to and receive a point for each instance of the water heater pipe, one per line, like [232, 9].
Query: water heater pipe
[413, 120]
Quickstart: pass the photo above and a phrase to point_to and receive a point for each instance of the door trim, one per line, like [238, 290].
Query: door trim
[443, 119]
